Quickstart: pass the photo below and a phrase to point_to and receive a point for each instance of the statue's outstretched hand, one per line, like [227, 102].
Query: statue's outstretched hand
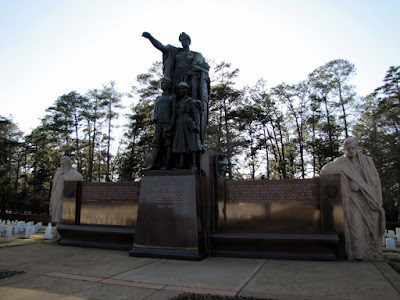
[146, 35]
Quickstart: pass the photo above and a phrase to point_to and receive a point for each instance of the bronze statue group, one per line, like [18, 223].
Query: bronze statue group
[180, 113]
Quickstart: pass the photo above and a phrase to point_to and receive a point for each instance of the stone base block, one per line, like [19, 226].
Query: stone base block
[171, 254]
[313, 246]
[105, 237]
[170, 218]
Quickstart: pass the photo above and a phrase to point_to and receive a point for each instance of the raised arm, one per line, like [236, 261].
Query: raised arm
[155, 42]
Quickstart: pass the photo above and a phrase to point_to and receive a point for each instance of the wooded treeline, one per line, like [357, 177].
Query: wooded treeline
[286, 131]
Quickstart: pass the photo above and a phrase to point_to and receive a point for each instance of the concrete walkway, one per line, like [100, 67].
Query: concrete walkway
[60, 272]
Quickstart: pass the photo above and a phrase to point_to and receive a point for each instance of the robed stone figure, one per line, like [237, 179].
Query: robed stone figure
[184, 65]
[63, 173]
[364, 217]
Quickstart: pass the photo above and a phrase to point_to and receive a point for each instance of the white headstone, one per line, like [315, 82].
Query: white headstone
[38, 226]
[16, 228]
[390, 244]
[391, 234]
[1, 228]
[28, 232]
[384, 240]
[47, 233]
[9, 231]
[398, 233]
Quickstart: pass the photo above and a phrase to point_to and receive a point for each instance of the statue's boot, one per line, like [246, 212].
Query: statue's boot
[181, 161]
[194, 161]
[168, 163]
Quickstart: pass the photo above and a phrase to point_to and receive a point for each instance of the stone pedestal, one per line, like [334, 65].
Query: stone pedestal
[170, 218]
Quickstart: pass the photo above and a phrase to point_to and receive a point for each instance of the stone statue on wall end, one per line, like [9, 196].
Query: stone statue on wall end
[64, 173]
[364, 215]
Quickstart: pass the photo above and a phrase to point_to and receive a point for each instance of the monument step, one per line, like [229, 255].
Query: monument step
[314, 246]
[97, 236]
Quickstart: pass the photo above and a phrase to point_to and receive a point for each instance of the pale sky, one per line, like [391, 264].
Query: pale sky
[49, 48]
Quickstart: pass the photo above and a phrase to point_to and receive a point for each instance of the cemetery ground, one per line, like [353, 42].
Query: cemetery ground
[392, 257]
[19, 239]
[44, 270]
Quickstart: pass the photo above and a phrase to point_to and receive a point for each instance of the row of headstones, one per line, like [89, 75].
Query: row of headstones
[17, 227]
[390, 237]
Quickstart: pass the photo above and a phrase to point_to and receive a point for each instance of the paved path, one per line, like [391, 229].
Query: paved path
[60, 272]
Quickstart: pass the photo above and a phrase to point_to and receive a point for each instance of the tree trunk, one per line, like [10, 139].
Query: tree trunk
[346, 133]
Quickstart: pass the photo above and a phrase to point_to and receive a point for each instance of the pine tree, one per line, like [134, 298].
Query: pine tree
[139, 130]
[378, 133]
[222, 136]
[10, 163]
[111, 101]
